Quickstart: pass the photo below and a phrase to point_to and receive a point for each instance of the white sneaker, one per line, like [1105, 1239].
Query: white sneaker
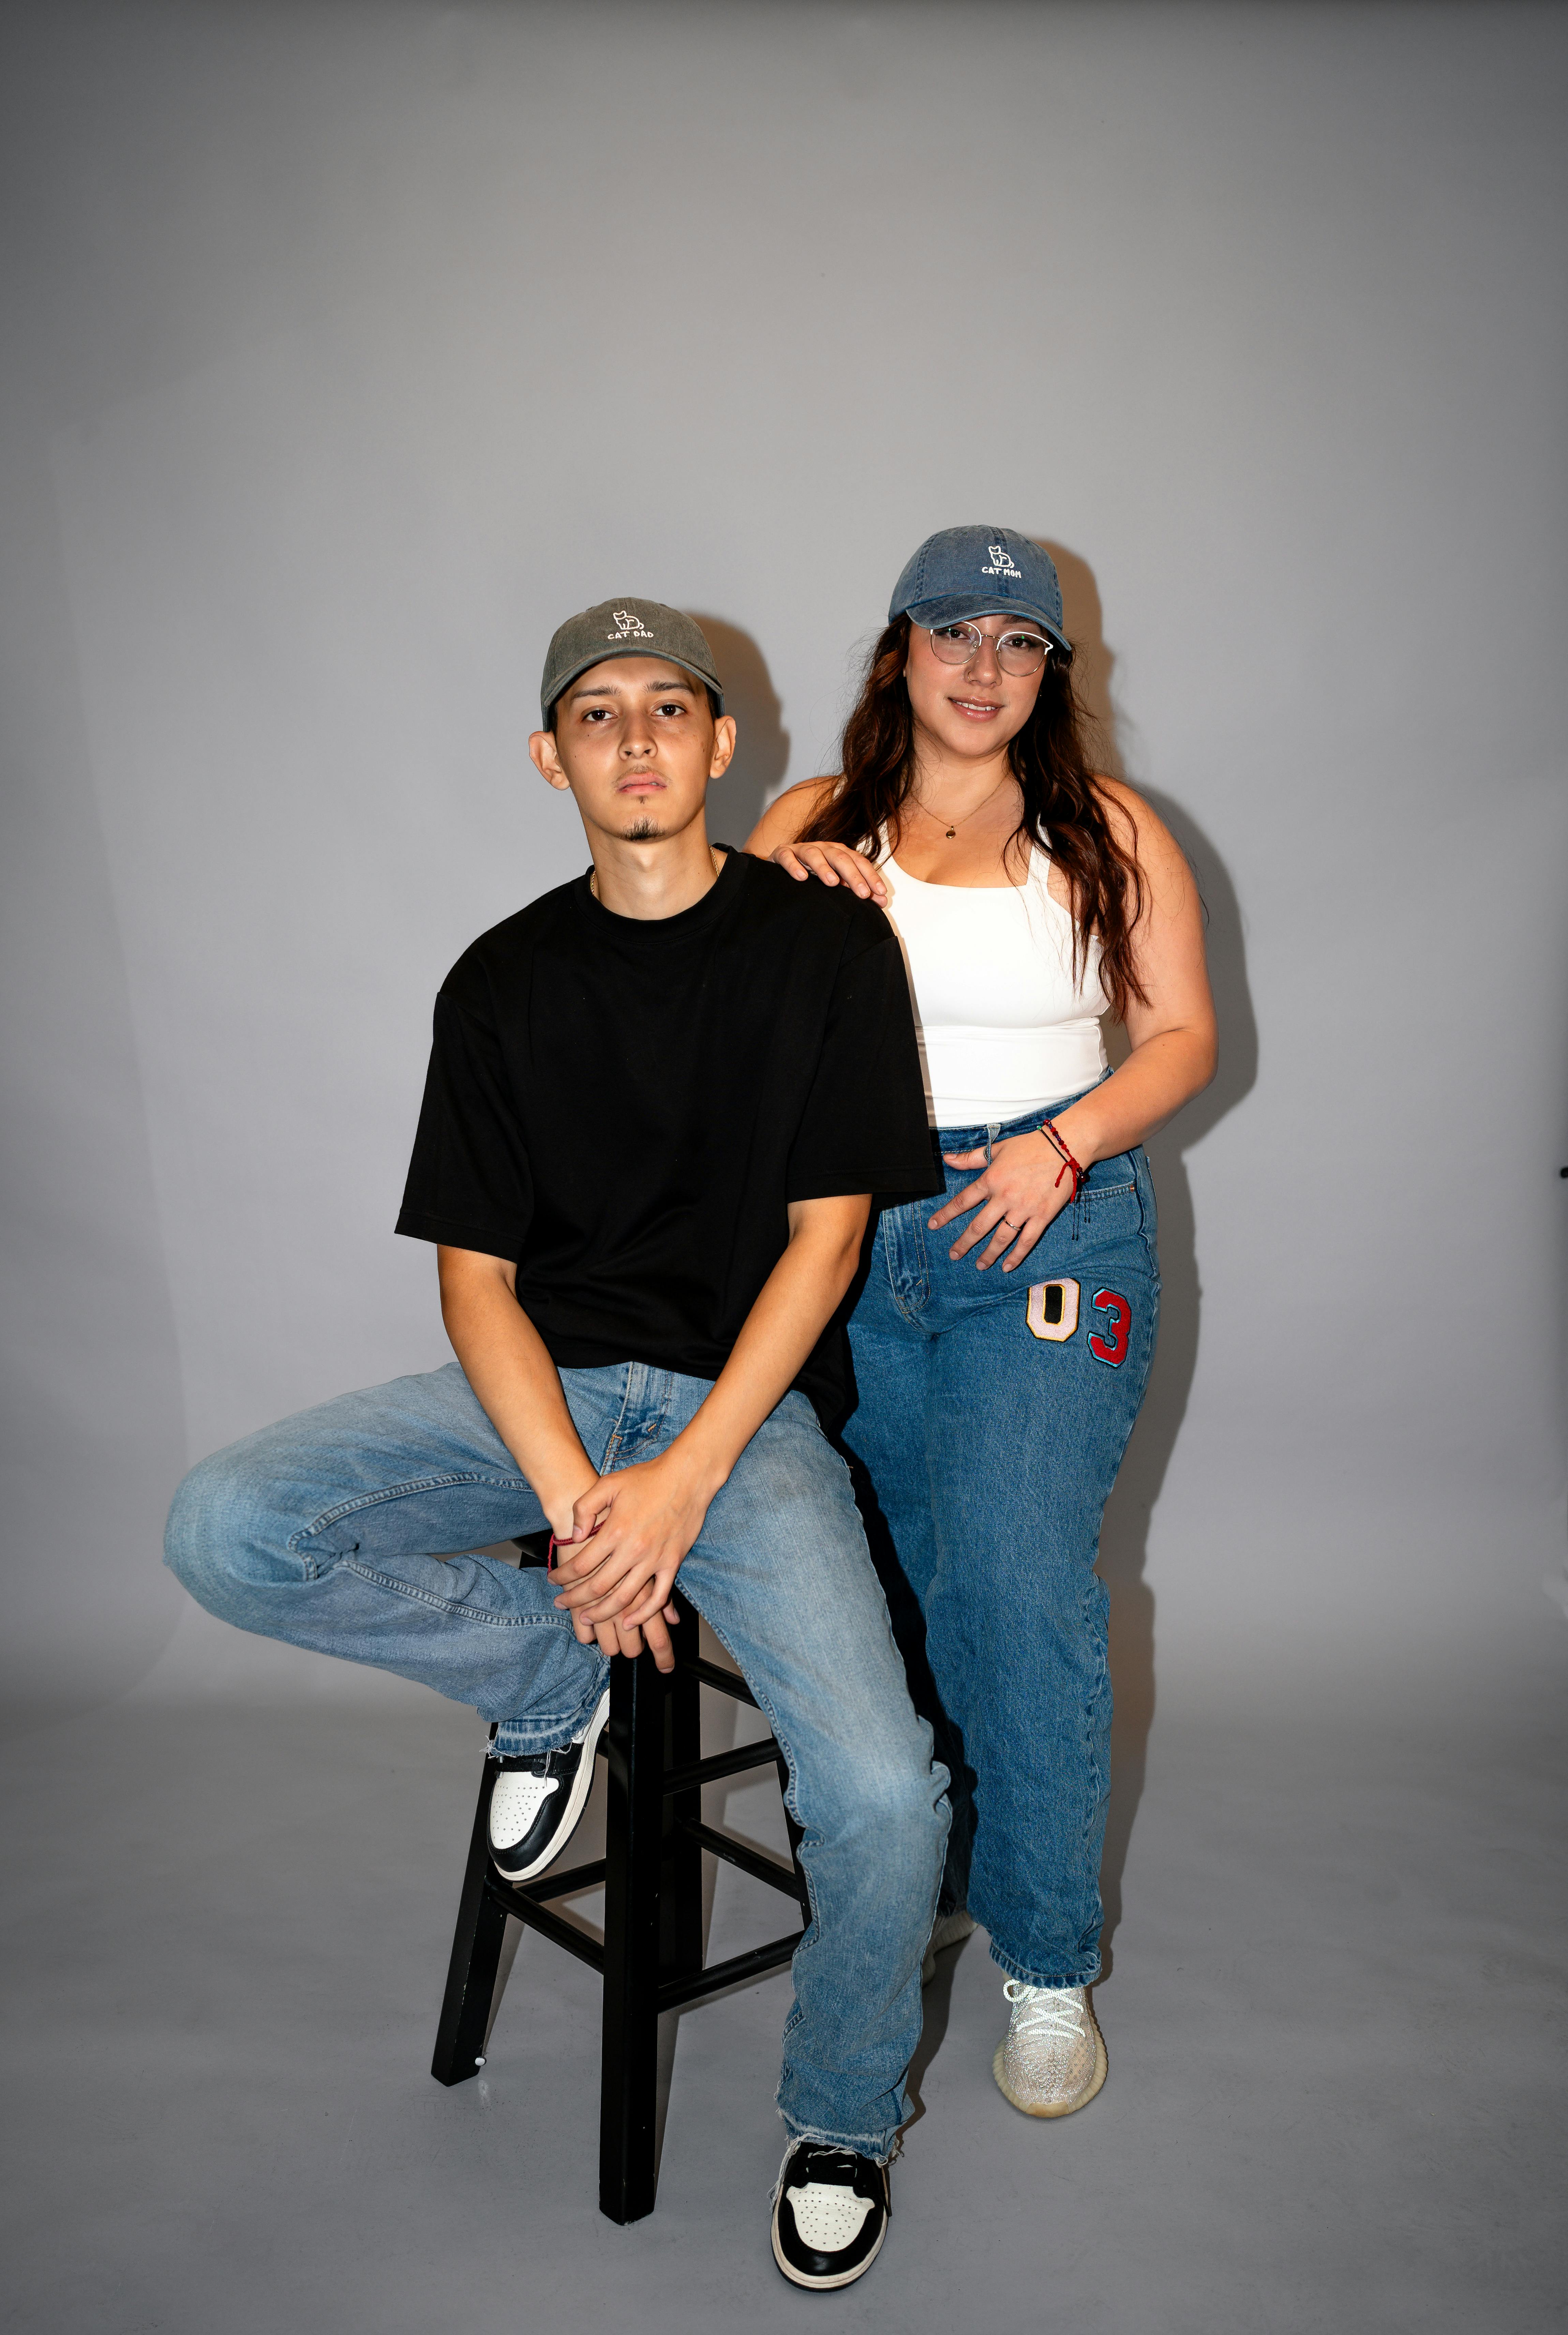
[830, 2214]
[1051, 2059]
[537, 1800]
[951, 1931]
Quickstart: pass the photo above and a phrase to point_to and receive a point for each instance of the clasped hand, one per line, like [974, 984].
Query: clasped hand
[616, 1568]
[1024, 1189]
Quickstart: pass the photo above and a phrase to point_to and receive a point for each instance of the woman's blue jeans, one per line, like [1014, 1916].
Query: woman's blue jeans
[326, 1531]
[993, 1415]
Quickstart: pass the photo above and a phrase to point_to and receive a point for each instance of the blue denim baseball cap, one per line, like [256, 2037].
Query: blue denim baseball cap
[980, 571]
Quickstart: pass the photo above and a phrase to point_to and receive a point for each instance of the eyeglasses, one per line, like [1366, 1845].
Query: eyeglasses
[1019, 653]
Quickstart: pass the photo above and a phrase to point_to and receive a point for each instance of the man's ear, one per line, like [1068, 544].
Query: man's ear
[542, 753]
[723, 746]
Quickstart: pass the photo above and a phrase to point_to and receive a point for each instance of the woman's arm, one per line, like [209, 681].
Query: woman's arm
[1174, 1053]
[773, 837]
[1175, 1042]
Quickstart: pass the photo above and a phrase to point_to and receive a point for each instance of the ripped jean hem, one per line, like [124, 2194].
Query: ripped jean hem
[520, 1739]
[880, 2148]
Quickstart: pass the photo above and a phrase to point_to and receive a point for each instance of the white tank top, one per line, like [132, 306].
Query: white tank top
[1004, 1027]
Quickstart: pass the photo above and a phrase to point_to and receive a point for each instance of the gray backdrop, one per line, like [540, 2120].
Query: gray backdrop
[350, 346]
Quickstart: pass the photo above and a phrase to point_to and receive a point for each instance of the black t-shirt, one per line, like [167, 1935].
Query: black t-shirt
[626, 1109]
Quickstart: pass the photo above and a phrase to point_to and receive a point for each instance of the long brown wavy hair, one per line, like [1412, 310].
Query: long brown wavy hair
[1062, 810]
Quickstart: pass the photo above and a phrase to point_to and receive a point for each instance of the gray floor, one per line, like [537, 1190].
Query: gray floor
[1334, 2022]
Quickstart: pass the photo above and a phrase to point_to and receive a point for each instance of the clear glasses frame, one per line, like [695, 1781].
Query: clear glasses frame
[1019, 653]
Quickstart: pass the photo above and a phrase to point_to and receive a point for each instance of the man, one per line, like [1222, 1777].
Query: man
[660, 1100]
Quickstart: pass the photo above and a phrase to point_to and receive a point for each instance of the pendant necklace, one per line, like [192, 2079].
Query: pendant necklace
[951, 831]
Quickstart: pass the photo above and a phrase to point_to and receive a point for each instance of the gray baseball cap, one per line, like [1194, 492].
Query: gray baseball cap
[625, 627]
[980, 571]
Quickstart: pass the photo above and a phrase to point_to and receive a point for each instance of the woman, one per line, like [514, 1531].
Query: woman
[994, 1404]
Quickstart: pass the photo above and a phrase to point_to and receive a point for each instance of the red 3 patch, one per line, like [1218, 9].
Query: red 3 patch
[1053, 1310]
[1109, 1345]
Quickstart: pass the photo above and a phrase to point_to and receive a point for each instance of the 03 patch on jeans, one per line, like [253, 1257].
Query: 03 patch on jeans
[1052, 1311]
[1108, 1343]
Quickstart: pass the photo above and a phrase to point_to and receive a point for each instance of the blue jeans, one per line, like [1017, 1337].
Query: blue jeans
[323, 1531]
[993, 1415]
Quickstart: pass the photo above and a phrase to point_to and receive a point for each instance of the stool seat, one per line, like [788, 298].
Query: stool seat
[650, 1959]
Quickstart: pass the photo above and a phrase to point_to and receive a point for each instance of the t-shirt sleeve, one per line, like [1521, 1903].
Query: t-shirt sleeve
[468, 1183]
[865, 1127]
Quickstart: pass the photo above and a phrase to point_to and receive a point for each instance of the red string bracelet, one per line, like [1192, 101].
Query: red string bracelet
[1079, 1175]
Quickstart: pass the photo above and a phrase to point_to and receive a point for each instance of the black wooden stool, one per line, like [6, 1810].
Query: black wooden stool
[651, 1870]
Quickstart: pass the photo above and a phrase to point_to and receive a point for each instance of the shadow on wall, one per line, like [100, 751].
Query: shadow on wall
[1124, 1540]
[762, 742]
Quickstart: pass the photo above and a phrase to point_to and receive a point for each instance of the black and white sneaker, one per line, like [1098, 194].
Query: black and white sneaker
[830, 2215]
[537, 1801]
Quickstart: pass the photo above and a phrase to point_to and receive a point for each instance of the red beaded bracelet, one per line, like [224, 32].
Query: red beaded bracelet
[1052, 1135]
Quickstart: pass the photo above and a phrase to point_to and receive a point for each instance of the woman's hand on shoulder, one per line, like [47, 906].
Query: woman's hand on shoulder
[774, 837]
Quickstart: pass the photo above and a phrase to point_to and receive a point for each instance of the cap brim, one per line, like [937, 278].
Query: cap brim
[632, 649]
[963, 607]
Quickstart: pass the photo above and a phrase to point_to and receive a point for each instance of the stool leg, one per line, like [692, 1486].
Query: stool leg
[629, 2060]
[475, 1959]
[681, 1879]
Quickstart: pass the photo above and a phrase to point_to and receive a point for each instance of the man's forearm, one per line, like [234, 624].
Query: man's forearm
[634, 1526]
[508, 1364]
[793, 1307]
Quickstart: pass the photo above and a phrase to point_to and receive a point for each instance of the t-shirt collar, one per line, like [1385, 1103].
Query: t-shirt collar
[658, 932]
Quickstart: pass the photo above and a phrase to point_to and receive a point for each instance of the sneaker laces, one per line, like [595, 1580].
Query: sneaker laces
[1045, 2014]
[841, 2163]
[829, 2164]
[537, 1763]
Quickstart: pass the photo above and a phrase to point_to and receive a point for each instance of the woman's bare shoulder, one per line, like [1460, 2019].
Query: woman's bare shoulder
[1139, 828]
[789, 814]
[1123, 803]
[1135, 823]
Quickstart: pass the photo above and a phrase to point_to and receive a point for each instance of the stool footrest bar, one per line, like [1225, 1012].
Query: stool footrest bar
[557, 1884]
[695, 1984]
[723, 1763]
[724, 1682]
[749, 1860]
[550, 1925]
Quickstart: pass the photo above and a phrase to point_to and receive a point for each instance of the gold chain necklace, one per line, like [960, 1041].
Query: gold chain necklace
[951, 831]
